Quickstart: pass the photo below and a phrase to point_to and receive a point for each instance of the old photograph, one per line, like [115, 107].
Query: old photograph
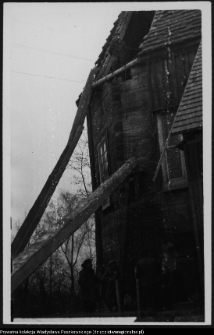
[107, 215]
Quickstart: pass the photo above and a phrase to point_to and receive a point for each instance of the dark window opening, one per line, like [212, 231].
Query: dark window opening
[139, 27]
[126, 75]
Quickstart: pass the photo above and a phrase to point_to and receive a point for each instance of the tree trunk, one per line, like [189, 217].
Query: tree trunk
[30, 259]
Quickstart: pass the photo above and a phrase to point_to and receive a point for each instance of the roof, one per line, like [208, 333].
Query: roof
[170, 27]
[136, 33]
[105, 60]
[189, 114]
[123, 42]
[117, 25]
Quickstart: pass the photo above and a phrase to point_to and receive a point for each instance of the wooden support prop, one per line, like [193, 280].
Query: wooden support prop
[160, 162]
[137, 280]
[29, 225]
[164, 150]
[115, 73]
[197, 232]
[118, 295]
[30, 259]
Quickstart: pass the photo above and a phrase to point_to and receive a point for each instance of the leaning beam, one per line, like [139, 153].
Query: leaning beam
[31, 258]
[115, 73]
[29, 225]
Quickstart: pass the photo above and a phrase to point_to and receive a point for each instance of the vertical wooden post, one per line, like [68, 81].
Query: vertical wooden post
[98, 223]
[195, 217]
[138, 292]
[118, 295]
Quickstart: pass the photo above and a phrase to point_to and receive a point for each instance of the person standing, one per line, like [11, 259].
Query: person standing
[89, 285]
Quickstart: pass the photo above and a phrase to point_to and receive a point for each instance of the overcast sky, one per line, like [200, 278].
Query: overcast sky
[49, 50]
[52, 48]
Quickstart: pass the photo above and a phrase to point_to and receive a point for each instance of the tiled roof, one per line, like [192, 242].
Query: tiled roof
[189, 114]
[170, 27]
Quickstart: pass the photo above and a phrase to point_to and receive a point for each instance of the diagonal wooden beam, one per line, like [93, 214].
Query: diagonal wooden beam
[116, 72]
[25, 232]
[30, 259]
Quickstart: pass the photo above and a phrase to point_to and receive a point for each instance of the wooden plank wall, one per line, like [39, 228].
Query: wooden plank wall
[168, 77]
[194, 157]
[137, 120]
[124, 109]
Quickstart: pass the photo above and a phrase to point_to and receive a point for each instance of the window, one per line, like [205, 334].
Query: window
[103, 166]
[173, 164]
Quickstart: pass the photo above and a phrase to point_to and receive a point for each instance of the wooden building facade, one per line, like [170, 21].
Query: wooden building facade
[146, 225]
[189, 123]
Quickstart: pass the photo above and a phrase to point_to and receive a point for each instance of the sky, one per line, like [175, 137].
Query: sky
[49, 50]
[52, 47]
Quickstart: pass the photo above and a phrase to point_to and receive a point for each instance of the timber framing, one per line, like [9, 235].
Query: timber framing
[34, 256]
[115, 73]
[29, 225]
[186, 116]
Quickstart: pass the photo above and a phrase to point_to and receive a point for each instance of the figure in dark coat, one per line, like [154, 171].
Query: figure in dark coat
[89, 284]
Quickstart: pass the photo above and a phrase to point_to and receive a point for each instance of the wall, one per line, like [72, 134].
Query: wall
[142, 217]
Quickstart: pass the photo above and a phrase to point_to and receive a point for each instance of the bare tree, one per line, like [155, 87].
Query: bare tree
[80, 245]
[80, 165]
[57, 277]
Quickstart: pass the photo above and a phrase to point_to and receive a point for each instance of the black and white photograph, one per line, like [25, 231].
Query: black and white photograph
[107, 163]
